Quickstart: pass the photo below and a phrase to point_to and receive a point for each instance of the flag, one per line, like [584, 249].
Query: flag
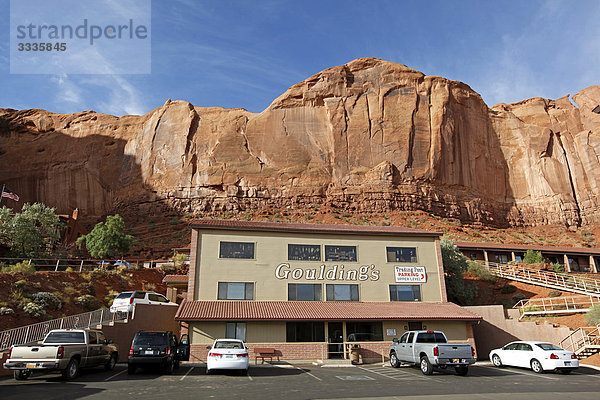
[9, 195]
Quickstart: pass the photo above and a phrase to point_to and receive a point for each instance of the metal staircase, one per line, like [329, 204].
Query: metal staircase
[566, 282]
[556, 305]
[584, 342]
[33, 333]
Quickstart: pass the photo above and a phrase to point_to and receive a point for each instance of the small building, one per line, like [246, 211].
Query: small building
[312, 291]
[176, 287]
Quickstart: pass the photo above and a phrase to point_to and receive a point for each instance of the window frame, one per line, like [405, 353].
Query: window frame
[245, 290]
[254, 246]
[400, 261]
[315, 290]
[342, 284]
[314, 245]
[235, 330]
[396, 285]
[325, 259]
[313, 324]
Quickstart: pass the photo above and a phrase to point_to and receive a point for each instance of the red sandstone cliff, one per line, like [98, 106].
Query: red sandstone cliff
[367, 136]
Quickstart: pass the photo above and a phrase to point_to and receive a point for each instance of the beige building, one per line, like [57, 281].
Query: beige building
[312, 291]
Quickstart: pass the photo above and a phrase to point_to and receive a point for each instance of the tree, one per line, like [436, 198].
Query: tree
[455, 264]
[533, 257]
[30, 233]
[107, 238]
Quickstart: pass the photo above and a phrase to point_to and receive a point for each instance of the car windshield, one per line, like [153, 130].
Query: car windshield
[222, 344]
[150, 339]
[548, 346]
[65, 337]
[124, 295]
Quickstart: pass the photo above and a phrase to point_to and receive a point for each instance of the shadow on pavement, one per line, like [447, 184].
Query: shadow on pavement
[45, 391]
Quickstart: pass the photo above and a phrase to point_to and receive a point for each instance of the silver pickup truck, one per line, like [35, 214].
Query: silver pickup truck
[430, 349]
[65, 351]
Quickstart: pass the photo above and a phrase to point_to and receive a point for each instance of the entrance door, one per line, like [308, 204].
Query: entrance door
[335, 348]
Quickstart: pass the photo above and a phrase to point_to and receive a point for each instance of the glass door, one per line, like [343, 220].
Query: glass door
[335, 337]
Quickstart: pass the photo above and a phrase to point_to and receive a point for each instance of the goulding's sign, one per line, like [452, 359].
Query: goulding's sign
[410, 274]
[329, 273]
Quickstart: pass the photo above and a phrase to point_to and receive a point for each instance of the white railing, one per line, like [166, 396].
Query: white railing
[556, 305]
[75, 264]
[549, 279]
[33, 333]
[587, 337]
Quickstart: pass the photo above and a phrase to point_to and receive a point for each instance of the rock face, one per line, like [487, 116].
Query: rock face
[367, 136]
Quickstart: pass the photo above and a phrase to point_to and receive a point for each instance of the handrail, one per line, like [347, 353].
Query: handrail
[35, 332]
[556, 305]
[581, 338]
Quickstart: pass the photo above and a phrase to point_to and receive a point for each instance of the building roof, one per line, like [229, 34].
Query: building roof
[309, 228]
[319, 311]
[525, 247]
[175, 279]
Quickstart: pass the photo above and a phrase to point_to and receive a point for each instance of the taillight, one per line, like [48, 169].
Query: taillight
[243, 355]
[215, 354]
[553, 356]
[573, 356]
[131, 351]
[472, 351]
[8, 355]
[131, 300]
[168, 351]
[61, 352]
[436, 351]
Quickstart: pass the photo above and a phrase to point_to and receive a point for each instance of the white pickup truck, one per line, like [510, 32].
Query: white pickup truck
[430, 349]
[65, 351]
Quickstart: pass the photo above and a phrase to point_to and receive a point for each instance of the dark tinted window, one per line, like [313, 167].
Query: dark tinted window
[92, 338]
[415, 326]
[124, 295]
[524, 347]
[153, 297]
[304, 292]
[431, 337]
[548, 346]
[65, 337]
[151, 339]
[101, 338]
[405, 293]
[364, 331]
[139, 295]
[236, 250]
[340, 253]
[401, 254]
[342, 292]
[305, 332]
[404, 338]
[304, 252]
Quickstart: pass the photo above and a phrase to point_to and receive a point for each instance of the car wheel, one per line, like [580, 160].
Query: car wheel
[426, 367]
[462, 370]
[169, 367]
[394, 362]
[536, 366]
[565, 371]
[177, 365]
[72, 370]
[208, 371]
[496, 360]
[110, 364]
[131, 369]
[21, 374]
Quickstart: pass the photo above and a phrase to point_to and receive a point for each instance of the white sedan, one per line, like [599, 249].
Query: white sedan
[539, 356]
[227, 354]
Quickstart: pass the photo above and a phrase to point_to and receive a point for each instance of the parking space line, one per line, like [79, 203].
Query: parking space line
[187, 373]
[512, 371]
[308, 373]
[117, 374]
[249, 377]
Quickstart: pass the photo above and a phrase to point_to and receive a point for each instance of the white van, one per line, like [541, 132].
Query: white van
[124, 301]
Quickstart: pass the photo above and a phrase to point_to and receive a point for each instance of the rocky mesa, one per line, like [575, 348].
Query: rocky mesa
[368, 136]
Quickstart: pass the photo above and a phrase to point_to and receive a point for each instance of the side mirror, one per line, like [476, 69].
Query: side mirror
[395, 340]
[209, 347]
[246, 347]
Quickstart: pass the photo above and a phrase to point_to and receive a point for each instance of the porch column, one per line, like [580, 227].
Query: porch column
[485, 257]
[513, 256]
[567, 263]
[593, 266]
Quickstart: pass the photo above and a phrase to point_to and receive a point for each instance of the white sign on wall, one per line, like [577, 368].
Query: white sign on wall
[410, 274]
[390, 332]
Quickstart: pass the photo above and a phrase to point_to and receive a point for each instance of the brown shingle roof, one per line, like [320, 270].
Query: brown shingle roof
[309, 228]
[175, 279]
[319, 310]
[525, 247]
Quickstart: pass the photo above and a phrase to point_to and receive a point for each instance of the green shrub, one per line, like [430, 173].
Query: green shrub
[88, 288]
[558, 268]
[592, 317]
[533, 257]
[482, 273]
[3, 303]
[87, 301]
[24, 267]
[20, 283]
[532, 308]
[69, 269]
[508, 289]
[6, 311]
[47, 300]
[554, 293]
[34, 310]
[168, 268]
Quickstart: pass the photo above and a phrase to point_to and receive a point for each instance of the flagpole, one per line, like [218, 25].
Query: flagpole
[2, 192]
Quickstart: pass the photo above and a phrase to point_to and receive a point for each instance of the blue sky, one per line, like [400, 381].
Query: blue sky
[246, 53]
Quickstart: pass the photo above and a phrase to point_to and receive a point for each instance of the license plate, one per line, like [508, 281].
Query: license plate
[456, 360]
[228, 356]
[148, 352]
[30, 365]
[568, 363]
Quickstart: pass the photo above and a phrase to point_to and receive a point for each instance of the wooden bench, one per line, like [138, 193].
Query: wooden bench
[265, 353]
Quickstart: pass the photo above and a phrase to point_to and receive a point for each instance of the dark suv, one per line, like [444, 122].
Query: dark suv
[154, 348]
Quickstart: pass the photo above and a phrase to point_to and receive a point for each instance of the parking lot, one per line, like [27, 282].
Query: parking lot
[310, 382]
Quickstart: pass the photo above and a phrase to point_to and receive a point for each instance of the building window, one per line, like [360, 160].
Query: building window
[405, 293]
[473, 256]
[401, 254]
[304, 292]
[236, 291]
[236, 250]
[236, 330]
[340, 253]
[305, 331]
[304, 252]
[415, 326]
[342, 292]
[363, 331]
